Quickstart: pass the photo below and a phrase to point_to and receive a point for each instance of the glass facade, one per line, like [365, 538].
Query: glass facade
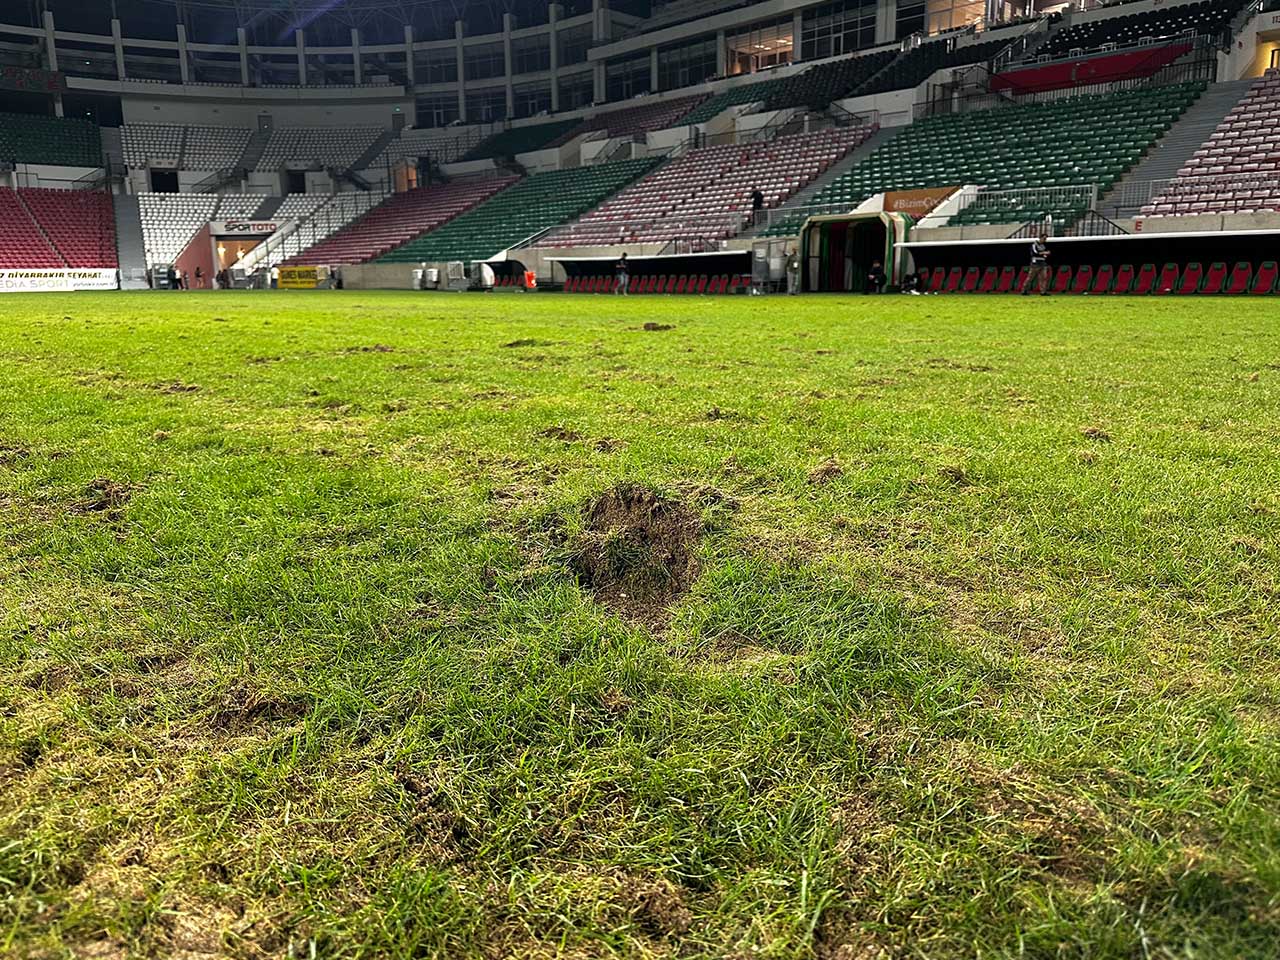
[531, 54]
[687, 64]
[837, 28]
[483, 61]
[759, 46]
[624, 79]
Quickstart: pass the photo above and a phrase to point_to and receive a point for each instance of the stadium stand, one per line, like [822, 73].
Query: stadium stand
[330, 146]
[1237, 170]
[633, 121]
[1058, 143]
[170, 220]
[299, 206]
[712, 107]
[1206, 19]
[536, 203]
[442, 146]
[152, 144]
[400, 219]
[79, 224]
[53, 140]
[516, 140]
[214, 148]
[916, 66]
[826, 82]
[22, 245]
[706, 193]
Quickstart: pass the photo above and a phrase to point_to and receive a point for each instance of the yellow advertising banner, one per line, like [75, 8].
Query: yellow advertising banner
[916, 203]
[299, 278]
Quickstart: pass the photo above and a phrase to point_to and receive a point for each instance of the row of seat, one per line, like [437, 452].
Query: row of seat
[184, 147]
[48, 229]
[1205, 18]
[671, 283]
[1147, 279]
[62, 141]
[338, 147]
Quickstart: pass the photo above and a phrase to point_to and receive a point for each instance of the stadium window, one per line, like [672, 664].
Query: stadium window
[576, 91]
[686, 65]
[484, 61]
[437, 110]
[487, 106]
[837, 28]
[531, 54]
[943, 15]
[624, 79]
[532, 98]
[574, 44]
[436, 66]
[910, 19]
[760, 46]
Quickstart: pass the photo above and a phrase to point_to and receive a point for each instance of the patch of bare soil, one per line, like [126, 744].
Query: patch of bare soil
[826, 471]
[652, 327]
[243, 708]
[957, 476]
[374, 348]
[638, 551]
[1095, 433]
[103, 496]
[530, 342]
[177, 386]
[11, 453]
[563, 434]
[657, 906]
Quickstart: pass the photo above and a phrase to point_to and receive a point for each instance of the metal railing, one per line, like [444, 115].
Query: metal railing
[790, 219]
[290, 241]
[701, 227]
[978, 205]
[1184, 192]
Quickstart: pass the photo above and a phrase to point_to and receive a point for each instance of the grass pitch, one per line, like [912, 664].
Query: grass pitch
[389, 625]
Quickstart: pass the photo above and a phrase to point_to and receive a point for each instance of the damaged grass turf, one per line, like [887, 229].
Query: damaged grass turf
[637, 552]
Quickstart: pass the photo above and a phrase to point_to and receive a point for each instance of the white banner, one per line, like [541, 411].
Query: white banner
[64, 280]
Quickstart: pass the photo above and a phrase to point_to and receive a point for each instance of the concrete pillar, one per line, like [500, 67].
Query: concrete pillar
[597, 82]
[117, 41]
[355, 55]
[599, 20]
[508, 24]
[242, 39]
[722, 55]
[301, 42]
[553, 15]
[50, 47]
[409, 69]
[462, 74]
[184, 60]
[653, 69]
[797, 29]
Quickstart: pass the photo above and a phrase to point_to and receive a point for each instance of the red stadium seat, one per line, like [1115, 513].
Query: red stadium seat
[1021, 283]
[990, 277]
[1264, 281]
[1062, 280]
[1102, 279]
[702, 283]
[938, 280]
[569, 284]
[972, 277]
[1008, 277]
[734, 282]
[1083, 280]
[634, 285]
[1168, 281]
[1241, 274]
[680, 283]
[1190, 282]
[954, 279]
[1146, 280]
[1215, 279]
[1124, 279]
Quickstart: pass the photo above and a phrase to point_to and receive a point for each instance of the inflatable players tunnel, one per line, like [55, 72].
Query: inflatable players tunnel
[837, 251]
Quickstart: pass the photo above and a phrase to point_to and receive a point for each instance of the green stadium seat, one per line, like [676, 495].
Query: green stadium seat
[58, 141]
[1124, 279]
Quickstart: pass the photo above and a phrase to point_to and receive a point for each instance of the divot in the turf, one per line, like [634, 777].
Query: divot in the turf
[637, 552]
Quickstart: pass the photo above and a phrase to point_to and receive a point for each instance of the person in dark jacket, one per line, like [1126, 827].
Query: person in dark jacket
[875, 278]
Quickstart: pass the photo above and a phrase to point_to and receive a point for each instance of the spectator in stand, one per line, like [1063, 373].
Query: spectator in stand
[1039, 275]
[793, 272]
[757, 205]
[623, 271]
[875, 278]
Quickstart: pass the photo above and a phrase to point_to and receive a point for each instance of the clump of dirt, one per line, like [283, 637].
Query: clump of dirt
[955, 475]
[1095, 433]
[375, 348]
[826, 471]
[563, 434]
[103, 496]
[658, 907]
[529, 342]
[243, 708]
[12, 453]
[177, 387]
[607, 445]
[652, 327]
[160, 436]
[638, 551]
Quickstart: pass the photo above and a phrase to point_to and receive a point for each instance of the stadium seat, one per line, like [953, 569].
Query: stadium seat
[1215, 279]
[1124, 279]
[972, 277]
[702, 283]
[1264, 281]
[938, 279]
[1168, 281]
[1023, 275]
[634, 285]
[734, 283]
[1062, 280]
[990, 277]
[1241, 274]
[1102, 279]
[680, 284]
[954, 279]
[1146, 280]
[1084, 280]
[1190, 282]
[1008, 277]
[570, 284]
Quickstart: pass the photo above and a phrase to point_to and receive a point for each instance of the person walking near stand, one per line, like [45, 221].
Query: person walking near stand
[623, 272]
[793, 272]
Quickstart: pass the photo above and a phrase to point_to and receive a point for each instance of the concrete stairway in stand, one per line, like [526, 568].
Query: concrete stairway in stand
[130, 248]
[1172, 151]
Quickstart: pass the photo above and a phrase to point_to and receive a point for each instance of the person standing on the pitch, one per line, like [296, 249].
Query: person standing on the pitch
[623, 270]
[793, 272]
[1039, 275]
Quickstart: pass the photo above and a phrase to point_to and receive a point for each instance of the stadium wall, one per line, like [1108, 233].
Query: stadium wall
[284, 112]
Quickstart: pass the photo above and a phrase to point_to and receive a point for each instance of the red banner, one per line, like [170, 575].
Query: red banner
[32, 80]
[1105, 68]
